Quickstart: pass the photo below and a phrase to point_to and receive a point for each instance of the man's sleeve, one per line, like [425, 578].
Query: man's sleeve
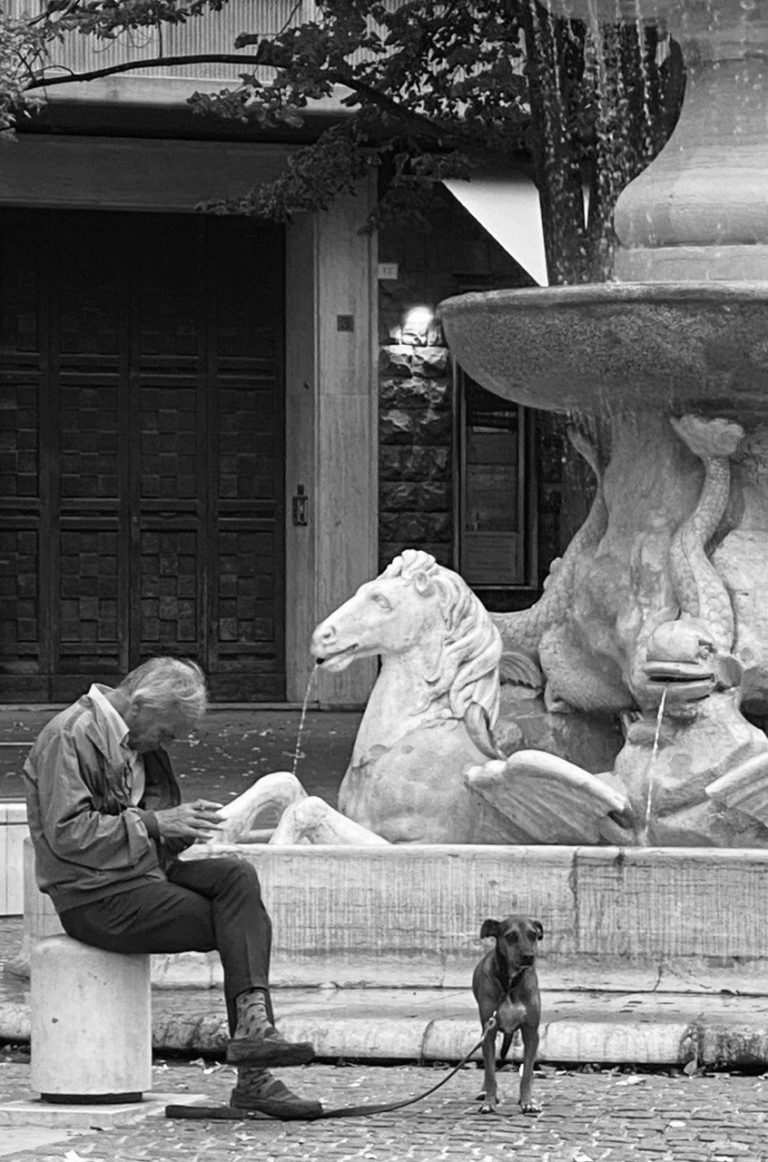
[73, 828]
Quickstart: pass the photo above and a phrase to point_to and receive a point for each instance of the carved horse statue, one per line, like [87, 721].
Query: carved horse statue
[419, 771]
[439, 654]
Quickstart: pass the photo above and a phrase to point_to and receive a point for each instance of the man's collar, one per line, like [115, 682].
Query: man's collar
[111, 724]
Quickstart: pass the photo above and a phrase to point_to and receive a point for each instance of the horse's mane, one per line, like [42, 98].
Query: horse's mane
[467, 668]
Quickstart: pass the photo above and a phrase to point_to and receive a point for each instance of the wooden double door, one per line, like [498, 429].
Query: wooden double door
[141, 450]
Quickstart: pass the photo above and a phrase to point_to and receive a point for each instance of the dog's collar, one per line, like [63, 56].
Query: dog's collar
[512, 980]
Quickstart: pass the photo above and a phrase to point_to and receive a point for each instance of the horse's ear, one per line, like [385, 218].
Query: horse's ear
[422, 583]
[489, 928]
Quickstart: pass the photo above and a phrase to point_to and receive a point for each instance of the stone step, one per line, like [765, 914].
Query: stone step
[652, 1029]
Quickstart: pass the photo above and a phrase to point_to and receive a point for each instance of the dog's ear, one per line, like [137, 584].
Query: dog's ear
[489, 928]
[539, 928]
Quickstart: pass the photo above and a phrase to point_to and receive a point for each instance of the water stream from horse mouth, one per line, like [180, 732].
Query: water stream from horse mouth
[652, 770]
[297, 753]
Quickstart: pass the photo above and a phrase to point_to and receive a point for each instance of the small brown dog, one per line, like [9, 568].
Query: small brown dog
[506, 986]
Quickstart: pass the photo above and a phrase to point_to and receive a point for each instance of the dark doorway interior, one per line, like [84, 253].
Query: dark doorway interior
[141, 450]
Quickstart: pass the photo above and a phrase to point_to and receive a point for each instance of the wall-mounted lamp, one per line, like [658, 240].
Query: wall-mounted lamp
[417, 323]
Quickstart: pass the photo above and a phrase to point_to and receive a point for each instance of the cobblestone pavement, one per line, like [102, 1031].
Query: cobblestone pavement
[599, 1116]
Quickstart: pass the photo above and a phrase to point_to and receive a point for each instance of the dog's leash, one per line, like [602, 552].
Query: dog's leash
[227, 1114]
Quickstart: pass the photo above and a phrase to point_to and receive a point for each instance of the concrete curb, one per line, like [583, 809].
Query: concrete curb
[720, 1045]
[443, 1039]
[390, 1029]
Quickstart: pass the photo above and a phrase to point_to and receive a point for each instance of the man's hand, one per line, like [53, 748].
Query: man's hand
[197, 820]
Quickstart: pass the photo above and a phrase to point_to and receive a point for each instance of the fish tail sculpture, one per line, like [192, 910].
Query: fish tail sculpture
[699, 588]
[691, 656]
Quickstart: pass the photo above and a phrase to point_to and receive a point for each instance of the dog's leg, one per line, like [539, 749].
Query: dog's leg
[530, 1049]
[490, 1095]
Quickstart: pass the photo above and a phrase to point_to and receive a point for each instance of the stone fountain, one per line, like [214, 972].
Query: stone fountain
[658, 612]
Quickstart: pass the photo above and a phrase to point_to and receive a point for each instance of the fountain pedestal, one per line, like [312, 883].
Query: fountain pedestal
[698, 212]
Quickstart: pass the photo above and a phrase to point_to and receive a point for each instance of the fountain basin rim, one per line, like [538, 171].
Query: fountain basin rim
[603, 293]
[612, 348]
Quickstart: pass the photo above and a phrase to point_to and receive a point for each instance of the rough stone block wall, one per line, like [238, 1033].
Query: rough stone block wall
[415, 452]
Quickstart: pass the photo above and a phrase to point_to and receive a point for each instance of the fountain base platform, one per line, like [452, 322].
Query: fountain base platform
[679, 920]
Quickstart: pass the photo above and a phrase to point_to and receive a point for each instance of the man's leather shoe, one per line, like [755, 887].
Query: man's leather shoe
[269, 1048]
[266, 1095]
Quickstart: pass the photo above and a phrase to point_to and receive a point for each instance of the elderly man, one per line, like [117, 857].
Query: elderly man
[107, 824]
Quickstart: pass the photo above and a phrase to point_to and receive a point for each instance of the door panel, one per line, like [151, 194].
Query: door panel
[142, 460]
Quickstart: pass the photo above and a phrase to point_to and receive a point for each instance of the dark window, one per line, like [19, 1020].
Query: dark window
[496, 510]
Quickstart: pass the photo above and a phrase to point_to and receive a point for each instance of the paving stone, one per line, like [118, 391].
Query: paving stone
[585, 1125]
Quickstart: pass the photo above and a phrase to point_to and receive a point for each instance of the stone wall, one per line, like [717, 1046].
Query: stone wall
[415, 452]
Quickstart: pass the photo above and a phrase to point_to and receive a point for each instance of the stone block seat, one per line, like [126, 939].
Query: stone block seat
[91, 1023]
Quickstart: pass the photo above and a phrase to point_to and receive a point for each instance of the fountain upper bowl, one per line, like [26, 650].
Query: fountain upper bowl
[607, 348]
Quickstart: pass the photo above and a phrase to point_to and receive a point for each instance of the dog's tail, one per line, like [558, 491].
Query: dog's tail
[506, 1041]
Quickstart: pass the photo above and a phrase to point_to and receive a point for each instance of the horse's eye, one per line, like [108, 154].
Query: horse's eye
[381, 601]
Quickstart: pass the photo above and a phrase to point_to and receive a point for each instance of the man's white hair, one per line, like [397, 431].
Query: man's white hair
[168, 682]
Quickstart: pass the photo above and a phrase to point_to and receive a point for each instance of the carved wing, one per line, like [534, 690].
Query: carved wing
[745, 788]
[547, 798]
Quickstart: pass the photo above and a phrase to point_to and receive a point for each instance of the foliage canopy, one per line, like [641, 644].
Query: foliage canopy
[430, 89]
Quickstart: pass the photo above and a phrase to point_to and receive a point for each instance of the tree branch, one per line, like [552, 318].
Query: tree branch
[335, 76]
[214, 58]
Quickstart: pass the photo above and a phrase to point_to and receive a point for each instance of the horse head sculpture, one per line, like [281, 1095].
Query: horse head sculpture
[418, 615]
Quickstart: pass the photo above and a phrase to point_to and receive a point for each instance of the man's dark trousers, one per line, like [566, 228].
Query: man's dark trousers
[204, 904]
